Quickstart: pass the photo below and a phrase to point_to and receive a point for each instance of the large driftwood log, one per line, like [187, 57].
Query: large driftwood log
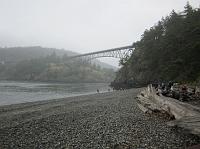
[187, 116]
[189, 123]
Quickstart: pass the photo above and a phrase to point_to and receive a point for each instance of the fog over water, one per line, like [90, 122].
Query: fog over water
[81, 25]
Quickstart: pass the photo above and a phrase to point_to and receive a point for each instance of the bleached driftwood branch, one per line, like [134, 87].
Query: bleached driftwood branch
[186, 116]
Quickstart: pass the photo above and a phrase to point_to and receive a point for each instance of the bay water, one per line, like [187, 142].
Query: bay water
[13, 92]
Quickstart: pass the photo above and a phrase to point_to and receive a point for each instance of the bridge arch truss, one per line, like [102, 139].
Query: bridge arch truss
[116, 53]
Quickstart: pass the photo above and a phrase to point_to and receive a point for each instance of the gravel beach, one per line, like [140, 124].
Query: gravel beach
[105, 120]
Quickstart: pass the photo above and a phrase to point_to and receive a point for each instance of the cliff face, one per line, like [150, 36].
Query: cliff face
[170, 50]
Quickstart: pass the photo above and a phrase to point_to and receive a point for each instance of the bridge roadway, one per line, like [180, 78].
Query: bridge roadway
[115, 52]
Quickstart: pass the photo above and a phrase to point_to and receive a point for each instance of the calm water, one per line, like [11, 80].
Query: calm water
[20, 92]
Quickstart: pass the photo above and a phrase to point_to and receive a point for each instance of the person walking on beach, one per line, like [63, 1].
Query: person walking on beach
[97, 90]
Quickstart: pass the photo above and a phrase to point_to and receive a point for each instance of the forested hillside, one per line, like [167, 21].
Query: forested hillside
[33, 65]
[16, 54]
[170, 50]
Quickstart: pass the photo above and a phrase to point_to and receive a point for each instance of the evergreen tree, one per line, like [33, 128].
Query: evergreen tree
[170, 50]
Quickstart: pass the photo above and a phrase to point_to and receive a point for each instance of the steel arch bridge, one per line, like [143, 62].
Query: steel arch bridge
[120, 52]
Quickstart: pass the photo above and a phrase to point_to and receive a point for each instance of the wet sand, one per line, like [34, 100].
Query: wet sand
[105, 120]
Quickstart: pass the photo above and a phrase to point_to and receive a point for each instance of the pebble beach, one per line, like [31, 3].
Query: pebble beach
[105, 120]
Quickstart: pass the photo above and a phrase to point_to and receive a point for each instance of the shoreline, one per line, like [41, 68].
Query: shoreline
[21, 92]
[47, 100]
[110, 119]
[54, 82]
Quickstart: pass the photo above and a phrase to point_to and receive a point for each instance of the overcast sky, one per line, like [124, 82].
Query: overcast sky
[81, 25]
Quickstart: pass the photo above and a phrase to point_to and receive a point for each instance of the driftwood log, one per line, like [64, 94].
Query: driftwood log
[186, 116]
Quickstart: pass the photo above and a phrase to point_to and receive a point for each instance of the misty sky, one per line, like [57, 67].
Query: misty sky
[81, 25]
